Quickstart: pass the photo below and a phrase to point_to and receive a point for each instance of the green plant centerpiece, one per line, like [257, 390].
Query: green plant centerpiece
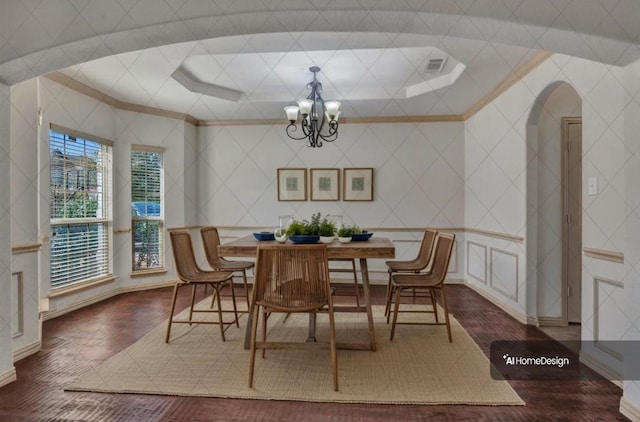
[318, 226]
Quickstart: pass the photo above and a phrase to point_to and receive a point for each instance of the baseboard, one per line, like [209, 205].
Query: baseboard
[455, 281]
[26, 351]
[551, 322]
[8, 377]
[99, 298]
[601, 369]
[533, 321]
[521, 318]
[629, 410]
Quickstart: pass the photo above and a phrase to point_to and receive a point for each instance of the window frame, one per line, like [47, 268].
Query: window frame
[103, 261]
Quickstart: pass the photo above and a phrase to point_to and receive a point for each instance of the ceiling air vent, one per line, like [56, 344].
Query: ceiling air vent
[435, 65]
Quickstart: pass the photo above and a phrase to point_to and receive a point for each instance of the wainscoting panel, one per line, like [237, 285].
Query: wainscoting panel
[477, 261]
[608, 299]
[504, 273]
[17, 302]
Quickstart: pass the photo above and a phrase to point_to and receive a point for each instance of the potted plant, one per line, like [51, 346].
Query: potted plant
[345, 233]
[326, 230]
[305, 231]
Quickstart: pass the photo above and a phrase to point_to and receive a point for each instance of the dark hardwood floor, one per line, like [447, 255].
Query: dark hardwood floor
[75, 342]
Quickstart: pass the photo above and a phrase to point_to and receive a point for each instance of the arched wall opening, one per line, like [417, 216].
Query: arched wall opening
[547, 203]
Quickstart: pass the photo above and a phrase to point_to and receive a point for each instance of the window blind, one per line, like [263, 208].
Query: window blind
[146, 208]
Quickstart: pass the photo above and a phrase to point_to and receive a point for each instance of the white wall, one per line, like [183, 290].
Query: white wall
[496, 185]
[630, 404]
[7, 371]
[24, 215]
[418, 177]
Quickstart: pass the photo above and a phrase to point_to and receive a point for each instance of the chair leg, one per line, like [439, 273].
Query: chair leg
[446, 313]
[173, 307]
[193, 302]
[355, 281]
[434, 304]
[395, 312]
[265, 316]
[246, 286]
[254, 332]
[389, 294]
[216, 293]
[233, 299]
[334, 354]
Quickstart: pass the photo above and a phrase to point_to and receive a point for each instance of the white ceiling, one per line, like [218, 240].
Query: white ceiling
[372, 74]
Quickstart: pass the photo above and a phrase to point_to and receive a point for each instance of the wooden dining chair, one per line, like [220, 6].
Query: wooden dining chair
[433, 281]
[421, 262]
[190, 274]
[291, 279]
[211, 241]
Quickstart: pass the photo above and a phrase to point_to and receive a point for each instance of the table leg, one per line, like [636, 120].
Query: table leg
[312, 328]
[364, 271]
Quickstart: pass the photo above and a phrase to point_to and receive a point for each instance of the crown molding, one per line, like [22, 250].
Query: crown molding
[520, 72]
[122, 105]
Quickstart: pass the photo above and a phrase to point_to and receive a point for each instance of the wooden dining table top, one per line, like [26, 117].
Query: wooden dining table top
[375, 247]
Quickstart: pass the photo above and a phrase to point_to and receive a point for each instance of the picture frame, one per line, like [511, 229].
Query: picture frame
[357, 184]
[325, 184]
[292, 184]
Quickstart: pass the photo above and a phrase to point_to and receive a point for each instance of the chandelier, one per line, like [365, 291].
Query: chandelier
[319, 120]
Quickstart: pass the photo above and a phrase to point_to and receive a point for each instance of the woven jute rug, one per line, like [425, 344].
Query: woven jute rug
[420, 366]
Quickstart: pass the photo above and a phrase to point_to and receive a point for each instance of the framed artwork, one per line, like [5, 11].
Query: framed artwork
[292, 184]
[358, 184]
[325, 184]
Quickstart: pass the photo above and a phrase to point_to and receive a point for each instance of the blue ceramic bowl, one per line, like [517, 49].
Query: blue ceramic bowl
[264, 236]
[361, 237]
[303, 238]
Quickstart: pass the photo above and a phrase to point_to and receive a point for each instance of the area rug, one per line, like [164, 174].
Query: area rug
[419, 366]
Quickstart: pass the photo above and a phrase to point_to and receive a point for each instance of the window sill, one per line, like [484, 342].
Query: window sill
[144, 273]
[76, 287]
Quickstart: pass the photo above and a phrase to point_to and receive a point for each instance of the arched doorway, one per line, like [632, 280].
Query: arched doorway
[554, 186]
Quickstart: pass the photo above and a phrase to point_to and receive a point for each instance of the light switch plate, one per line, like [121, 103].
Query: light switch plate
[592, 185]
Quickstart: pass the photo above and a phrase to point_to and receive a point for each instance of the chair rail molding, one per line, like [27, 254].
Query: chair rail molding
[26, 247]
[604, 255]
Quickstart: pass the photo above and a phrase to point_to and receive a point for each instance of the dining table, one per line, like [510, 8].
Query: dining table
[373, 248]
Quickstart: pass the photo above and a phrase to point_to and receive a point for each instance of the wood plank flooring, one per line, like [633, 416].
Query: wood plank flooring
[75, 342]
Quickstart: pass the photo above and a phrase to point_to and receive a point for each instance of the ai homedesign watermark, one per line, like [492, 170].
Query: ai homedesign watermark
[556, 361]
[533, 360]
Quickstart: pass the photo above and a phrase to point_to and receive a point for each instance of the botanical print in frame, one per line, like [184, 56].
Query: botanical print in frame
[292, 184]
[325, 184]
[358, 184]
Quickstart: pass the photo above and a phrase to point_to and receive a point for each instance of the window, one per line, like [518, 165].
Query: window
[80, 207]
[146, 208]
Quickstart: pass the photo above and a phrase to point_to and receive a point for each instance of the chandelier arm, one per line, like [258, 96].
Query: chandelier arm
[292, 127]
